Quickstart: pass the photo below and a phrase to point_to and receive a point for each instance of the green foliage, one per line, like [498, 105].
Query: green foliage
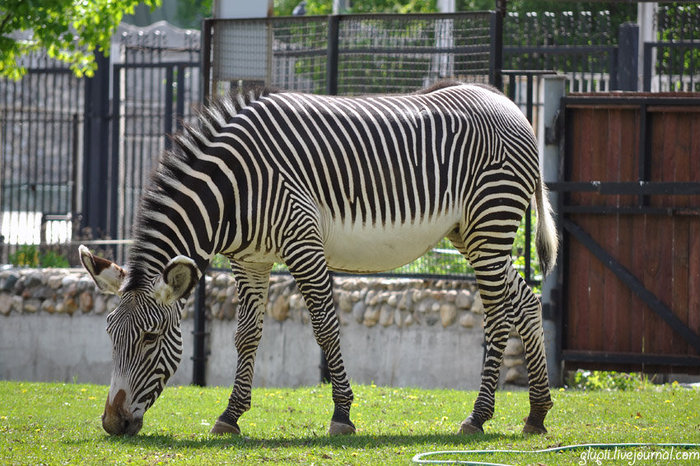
[55, 423]
[28, 255]
[68, 30]
[191, 12]
[325, 7]
[607, 380]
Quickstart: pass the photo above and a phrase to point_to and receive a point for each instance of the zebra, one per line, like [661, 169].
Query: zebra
[321, 183]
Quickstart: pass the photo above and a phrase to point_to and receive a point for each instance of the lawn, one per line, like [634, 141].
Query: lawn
[60, 423]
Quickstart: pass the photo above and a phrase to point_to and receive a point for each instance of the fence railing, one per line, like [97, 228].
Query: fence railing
[43, 118]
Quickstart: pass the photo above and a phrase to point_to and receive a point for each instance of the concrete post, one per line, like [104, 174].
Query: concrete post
[553, 89]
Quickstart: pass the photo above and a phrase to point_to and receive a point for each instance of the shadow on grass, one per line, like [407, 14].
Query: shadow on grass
[350, 441]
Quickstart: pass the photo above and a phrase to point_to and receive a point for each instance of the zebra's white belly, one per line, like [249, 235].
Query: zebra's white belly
[366, 248]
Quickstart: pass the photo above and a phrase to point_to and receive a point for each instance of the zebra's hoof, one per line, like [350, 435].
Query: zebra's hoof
[468, 428]
[338, 428]
[531, 429]
[222, 428]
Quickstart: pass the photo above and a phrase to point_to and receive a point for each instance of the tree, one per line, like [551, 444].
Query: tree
[68, 30]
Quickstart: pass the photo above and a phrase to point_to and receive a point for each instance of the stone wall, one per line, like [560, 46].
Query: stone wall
[393, 331]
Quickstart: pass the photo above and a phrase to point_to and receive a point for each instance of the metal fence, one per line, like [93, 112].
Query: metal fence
[348, 54]
[51, 137]
[41, 124]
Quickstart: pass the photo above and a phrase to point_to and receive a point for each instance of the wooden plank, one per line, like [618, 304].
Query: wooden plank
[679, 278]
[694, 278]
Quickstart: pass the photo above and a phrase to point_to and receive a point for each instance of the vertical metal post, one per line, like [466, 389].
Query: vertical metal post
[332, 55]
[199, 354]
[627, 57]
[96, 149]
[528, 212]
[496, 58]
[553, 89]
[205, 68]
[647, 67]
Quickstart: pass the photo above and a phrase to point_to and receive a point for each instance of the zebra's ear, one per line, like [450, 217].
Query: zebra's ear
[107, 275]
[178, 279]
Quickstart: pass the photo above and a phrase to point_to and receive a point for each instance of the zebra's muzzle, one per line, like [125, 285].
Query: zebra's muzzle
[117, 420]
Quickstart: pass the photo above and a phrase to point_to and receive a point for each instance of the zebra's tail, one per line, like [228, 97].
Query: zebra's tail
[546, 240]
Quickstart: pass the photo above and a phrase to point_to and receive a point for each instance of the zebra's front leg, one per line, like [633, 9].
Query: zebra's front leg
[307, 265]
[252, 283]
[528, 323]
[497, 324]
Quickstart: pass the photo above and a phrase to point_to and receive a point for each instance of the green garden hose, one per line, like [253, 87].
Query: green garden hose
[593, 459]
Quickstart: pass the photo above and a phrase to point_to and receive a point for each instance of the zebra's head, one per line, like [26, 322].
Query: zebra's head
[145, 333]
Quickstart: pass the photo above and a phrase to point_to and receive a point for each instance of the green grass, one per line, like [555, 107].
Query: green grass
[60, 423]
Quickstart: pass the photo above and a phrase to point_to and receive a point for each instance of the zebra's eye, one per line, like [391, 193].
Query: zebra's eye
[150, 337]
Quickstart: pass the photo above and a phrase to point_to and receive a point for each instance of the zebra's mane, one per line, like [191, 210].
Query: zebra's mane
[142, 262]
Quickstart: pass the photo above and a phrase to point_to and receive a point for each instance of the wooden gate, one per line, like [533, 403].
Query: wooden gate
[630, 215]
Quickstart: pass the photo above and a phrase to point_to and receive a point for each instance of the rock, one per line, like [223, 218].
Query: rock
[8, 283]
[450, 296]
[371, 316]
[86, 301]
[464, 299]
[17, 304]
[435, 307]
[69, 280]
[425, 305]
[34, 279]
[99, 304]
[228, 310]
[280, 309]
[31, 305]
[516, 375]
[345, 302]
[477, 306]
[448, 314]
[5, 304]
[48, 305]
[405, 303]
[392, 300]
[467, 320]
[513, 362]
[358, 311]
[409, 320]
[514, 347]
[432, 319]
[70, 305]
[398, 317]
[297, 303]
[386, 315]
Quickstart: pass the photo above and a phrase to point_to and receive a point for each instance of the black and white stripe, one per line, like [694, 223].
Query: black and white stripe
[356, 184]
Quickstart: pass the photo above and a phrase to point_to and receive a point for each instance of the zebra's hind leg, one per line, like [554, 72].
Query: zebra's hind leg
[498, 321]
[307, 264]
[252, 283]
[491, 269]
[528, 322]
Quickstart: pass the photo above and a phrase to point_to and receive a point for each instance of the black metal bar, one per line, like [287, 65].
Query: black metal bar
[96, 148]
[496, 55]
[205, 58]
[180, 98]
[199, 354]
[630, 358]
[637, 287]
[631, 210]
[169, 117]
[332, 55]
[115, 153]
[627, 57]
[665, 188]
[631, 100]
